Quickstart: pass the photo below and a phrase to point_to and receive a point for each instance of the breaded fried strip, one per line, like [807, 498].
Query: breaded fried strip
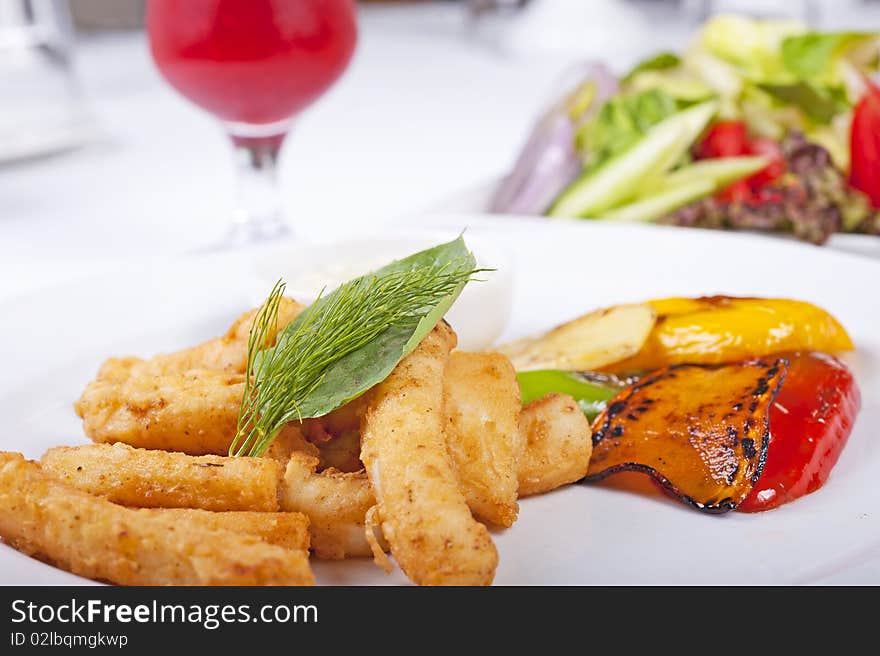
[159, 479]
[184, 401]
[285, 529]
[227, 353]
[195, 412]
[482, 406]
[92, 537]
[116, 370]
[423, 512]
[335, 502]
[558, 444]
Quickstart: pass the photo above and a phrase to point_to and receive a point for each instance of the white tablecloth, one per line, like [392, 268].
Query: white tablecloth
[428, 108]
[424, 110]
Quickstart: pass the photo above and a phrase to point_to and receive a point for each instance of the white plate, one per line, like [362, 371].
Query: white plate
[51, 344]
[475, 199]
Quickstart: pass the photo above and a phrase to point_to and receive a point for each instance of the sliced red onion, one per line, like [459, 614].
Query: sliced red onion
[549, 162]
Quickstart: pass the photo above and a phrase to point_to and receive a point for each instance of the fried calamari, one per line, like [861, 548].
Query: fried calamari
[421, 507]
[92, 537]
[161, 479]
[481, 408]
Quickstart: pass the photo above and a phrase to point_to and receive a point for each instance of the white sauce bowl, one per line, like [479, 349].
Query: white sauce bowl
[479, 316]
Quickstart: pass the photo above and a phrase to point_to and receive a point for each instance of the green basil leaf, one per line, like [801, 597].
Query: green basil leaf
[355, 373]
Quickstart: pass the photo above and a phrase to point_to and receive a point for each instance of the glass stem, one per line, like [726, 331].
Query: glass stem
[258, 213]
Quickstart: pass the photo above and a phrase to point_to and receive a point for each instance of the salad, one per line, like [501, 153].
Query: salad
[763, 125]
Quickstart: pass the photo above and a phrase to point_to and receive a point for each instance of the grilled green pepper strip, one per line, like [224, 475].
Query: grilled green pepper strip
[592, 391]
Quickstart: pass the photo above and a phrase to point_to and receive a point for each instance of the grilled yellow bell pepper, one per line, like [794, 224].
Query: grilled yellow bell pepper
[718, 329]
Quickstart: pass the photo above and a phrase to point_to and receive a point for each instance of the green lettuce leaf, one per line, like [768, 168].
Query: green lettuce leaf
[660, 62]
[620, 123]
[812, 54]
[818, 102]
[753, 46]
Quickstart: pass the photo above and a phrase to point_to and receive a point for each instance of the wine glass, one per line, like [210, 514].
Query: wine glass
[254, 64]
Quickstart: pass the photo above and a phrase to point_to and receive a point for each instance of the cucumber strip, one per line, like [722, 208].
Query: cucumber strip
[720, 172]
[692, 128]
[653, 207]
[620, 179]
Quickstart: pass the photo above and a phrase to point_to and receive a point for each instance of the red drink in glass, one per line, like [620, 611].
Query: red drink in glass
[254, 64]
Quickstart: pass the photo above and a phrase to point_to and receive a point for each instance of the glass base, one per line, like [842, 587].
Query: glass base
[253, 230]
[247, 234]
[264, 134]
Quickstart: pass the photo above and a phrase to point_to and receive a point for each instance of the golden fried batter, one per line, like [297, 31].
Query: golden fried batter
[482, 406]
[337, 435]
[160, 479]
[422, 510]
[335, 503]
[227, 353]
[195, 412]
[285, 529]
[287, 441]
[184, 401]
[558, 444]
[92, 537]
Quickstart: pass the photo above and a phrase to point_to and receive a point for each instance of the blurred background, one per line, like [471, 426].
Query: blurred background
[100, 159]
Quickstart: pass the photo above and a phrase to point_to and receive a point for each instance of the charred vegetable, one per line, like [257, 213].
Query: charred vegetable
[810, 423]
[701, 432]
[594, 340]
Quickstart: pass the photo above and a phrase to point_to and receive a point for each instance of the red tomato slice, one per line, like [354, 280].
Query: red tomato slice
[738, 192]
[724, 139]
[775, 167]
[730, 139]
[809, 424]
[865, 145]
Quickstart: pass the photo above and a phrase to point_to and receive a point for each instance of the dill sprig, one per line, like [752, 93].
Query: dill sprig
[281, 377]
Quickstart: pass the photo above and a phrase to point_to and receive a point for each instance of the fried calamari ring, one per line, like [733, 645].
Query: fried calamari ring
[335, 502]
[558, 446]
[482, 408]
[423, 512]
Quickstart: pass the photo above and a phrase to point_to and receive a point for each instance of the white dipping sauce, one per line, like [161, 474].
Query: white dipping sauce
[478, 316]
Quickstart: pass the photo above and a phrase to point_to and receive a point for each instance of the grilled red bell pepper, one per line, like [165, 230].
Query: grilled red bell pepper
[810, 422]
[864, 145]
